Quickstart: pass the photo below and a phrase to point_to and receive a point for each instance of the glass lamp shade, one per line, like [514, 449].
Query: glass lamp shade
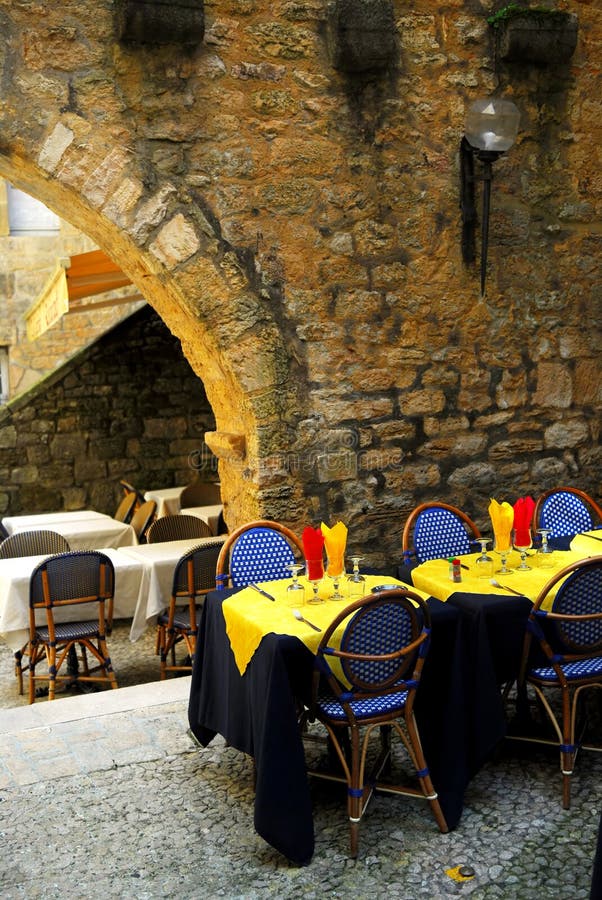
[492, 124]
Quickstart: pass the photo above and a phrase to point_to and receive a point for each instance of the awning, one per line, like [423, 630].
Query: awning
[75, 279]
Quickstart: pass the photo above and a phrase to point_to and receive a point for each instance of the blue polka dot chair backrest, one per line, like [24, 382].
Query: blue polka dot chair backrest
[565, 512]
[260, 551]
[437, 531]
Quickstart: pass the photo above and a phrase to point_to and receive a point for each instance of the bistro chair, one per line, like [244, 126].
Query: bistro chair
[437, 531]
[257, 551]
[128, 488]
[566, 511]
[568, 636]
[3, 532]
[378, 645]
[177, 528]
[125, 508]
[143, 518]
[33, 543]
[194, 576]
[200, 493]
[77, 579]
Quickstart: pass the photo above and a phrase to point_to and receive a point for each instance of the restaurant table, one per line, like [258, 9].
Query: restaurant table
[257, 713]
[493, 621]
[84, 529]
[131, 584]
[168, 504]
[589, 543]
[159, 561]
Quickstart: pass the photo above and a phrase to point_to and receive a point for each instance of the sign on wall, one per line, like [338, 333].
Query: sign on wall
[52, 303]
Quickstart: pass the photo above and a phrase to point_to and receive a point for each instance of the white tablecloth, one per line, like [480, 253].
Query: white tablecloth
[167, 500]
[84, 529]
[168, 504]
[160, 561]
[131, 586]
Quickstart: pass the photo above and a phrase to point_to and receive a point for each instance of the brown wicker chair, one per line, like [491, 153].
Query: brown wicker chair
[437, 531]
[81, 578]
[33, 543]
[257, 551]
[125, 508]
[566, 511]
[143, 518]
[177, 528]
[194, 576]
[200, 493]
[568, 635]
[381, 655]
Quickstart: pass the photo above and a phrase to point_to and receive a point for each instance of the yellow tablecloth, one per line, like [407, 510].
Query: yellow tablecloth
[433, 576]
[588, 544]
[249, 616]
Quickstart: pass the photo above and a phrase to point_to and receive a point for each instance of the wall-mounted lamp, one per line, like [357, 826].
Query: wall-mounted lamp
[491, 129]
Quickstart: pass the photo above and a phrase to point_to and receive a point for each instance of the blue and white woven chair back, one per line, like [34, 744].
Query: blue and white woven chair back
[379, 630]
[580, 594]
[72, 576]
[204, 560]
[260, 554]
[438, 533]
[33, 543]
[565, 514]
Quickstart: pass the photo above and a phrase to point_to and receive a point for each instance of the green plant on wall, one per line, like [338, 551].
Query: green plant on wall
[513, 10]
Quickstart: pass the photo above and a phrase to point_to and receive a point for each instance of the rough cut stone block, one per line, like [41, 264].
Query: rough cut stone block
[161, 21]
[361, 34]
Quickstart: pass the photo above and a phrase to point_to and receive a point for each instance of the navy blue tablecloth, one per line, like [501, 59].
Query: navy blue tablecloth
[458, 711]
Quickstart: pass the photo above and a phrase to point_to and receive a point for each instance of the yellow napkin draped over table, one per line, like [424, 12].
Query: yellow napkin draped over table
[335, 542]
[249, 616]
[502, 520]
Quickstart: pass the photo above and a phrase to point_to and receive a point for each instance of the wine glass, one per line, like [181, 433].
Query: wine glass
[503, 552]
[293, 597]
[335, 570]
[356, 583]
[314, 569]
[522, 543]
[484, 563]
[545, 553]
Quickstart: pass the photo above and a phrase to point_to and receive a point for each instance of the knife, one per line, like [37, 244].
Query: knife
[260, 591]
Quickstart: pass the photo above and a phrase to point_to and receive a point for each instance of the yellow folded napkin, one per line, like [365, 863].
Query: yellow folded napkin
[502, 520]
[335, 541]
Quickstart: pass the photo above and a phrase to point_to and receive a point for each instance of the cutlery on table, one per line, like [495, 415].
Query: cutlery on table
[504, 587]
[300, 618]
[262, 592]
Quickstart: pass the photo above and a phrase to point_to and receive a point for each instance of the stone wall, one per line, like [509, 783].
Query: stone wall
[128, 407]
[297, 226]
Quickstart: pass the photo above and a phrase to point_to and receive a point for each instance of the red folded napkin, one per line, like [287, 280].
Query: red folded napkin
[523, 516]
[313, 548]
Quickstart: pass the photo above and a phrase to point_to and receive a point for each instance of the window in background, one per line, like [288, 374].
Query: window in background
[27, 215]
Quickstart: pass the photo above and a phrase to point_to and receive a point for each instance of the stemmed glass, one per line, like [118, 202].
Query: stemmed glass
[293, 597]
[503, 554]
[314, 569]
[335, 576]
[356, 583]
[545, 554]
[484, 563]
[522, 547]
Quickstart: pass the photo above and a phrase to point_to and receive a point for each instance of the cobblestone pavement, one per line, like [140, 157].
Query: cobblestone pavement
[105, 796]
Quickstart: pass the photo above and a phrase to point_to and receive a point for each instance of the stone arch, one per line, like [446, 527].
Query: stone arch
[197, 283]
